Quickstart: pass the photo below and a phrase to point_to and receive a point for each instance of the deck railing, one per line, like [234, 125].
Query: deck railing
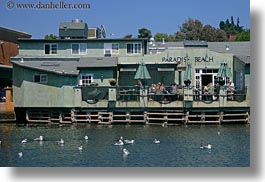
[133, 93]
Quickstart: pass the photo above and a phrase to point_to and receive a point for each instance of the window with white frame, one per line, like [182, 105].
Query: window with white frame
[40, 78]
[134, 48]
[79, 48]
[86, 79]
[111, 48]
[50, 48]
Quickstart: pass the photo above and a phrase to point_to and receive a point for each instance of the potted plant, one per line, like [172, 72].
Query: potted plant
[112, 82]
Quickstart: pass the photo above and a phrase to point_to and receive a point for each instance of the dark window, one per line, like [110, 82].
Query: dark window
[47, 49]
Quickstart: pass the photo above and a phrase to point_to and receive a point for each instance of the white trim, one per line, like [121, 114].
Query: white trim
[50, 47]
[109, 46]
[165, 69]
[133, 43]
[127, 69]
[86, 74]
[41, 75]
[79, 49]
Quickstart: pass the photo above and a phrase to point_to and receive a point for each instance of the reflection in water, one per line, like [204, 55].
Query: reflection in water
[179, 147]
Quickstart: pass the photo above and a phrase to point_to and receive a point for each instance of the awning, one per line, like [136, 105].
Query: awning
[142, 72]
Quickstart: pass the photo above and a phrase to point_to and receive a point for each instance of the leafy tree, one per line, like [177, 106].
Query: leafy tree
[220, 36]
[208, 33]
[50, 37]
[191, 29]
[230, 28]
[129, 36]
[243, 36]
[160, 36]
[144, 33]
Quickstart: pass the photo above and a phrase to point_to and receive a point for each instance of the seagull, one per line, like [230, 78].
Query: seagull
[20, 154]
[120, 142]
[125, 151]
[80, 148]
[86, 137]
[128, 141]
[40, 138]
[61, 142]
[24, 141]
[218, 132]
[209, 146]
[121, 138]
[156, 141]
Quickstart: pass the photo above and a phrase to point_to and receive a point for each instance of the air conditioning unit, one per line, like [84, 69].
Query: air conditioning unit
[92, 33]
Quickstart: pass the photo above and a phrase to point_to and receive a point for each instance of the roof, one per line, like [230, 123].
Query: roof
[103, 62]
[239, 49]
[82, 40]
[10, 35]
[57, 67]
[73, 25]
[195, 43]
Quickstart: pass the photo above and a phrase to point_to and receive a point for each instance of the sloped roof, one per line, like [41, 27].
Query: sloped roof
[98, 62]
[57, 67]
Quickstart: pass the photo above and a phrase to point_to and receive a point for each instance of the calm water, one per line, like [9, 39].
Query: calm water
[179, 147]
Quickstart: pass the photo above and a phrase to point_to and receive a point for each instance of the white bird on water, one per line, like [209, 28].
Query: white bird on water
[209, 146]
[156, 141]
[86, 137]
[125, 151]
[40, 138]
[129, 141]
[20, 154]
[80, 148]
[24, 141]
[120, 142]
[60, 142]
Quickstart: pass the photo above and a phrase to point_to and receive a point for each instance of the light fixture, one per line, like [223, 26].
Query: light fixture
[101, 77]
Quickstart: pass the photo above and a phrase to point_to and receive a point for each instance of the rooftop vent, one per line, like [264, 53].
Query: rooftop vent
[77, 21]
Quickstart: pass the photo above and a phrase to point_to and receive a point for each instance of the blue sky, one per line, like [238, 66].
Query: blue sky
[122, 17]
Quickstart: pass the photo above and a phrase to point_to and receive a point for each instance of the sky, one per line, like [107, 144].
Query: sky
[123, 17]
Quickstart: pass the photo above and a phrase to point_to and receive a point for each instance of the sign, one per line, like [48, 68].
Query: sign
[179, 59]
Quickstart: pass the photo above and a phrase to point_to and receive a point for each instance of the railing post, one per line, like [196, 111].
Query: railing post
[9, 100]
[222, 96]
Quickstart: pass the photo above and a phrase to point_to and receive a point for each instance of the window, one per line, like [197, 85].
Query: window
[111, 48]
[135, 48]
[50, 48]
[40, 78]
[79, 48]
[86, 79]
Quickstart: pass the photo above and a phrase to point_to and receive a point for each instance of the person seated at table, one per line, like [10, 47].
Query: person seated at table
[152, 91]
[230, 90]
[174, 91]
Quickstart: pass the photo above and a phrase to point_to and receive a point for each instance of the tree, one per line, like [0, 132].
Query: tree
[167, 38]
[230, 28]
[243, 36]
[208, 33]
[50, 37]
[220, 36]
[144, 33]
[129, 36]
[190, 30]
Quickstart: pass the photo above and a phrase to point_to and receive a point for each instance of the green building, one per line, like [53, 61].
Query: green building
[92, 79]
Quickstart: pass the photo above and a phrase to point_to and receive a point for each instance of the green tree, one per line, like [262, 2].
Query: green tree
[144, 33]
[129, 36]
[243, 36]
[167, 38]
[50, 37]
[190, 30]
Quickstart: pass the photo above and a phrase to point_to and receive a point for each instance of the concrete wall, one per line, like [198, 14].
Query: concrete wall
[57, 92]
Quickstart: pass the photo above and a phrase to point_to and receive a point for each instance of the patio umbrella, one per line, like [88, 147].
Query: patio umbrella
[187, 75]
[224, 71]
[142, 72]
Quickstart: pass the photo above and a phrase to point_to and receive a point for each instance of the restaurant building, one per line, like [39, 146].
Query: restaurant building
[92, 79]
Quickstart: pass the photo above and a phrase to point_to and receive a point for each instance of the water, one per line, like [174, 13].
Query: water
[179, 147]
